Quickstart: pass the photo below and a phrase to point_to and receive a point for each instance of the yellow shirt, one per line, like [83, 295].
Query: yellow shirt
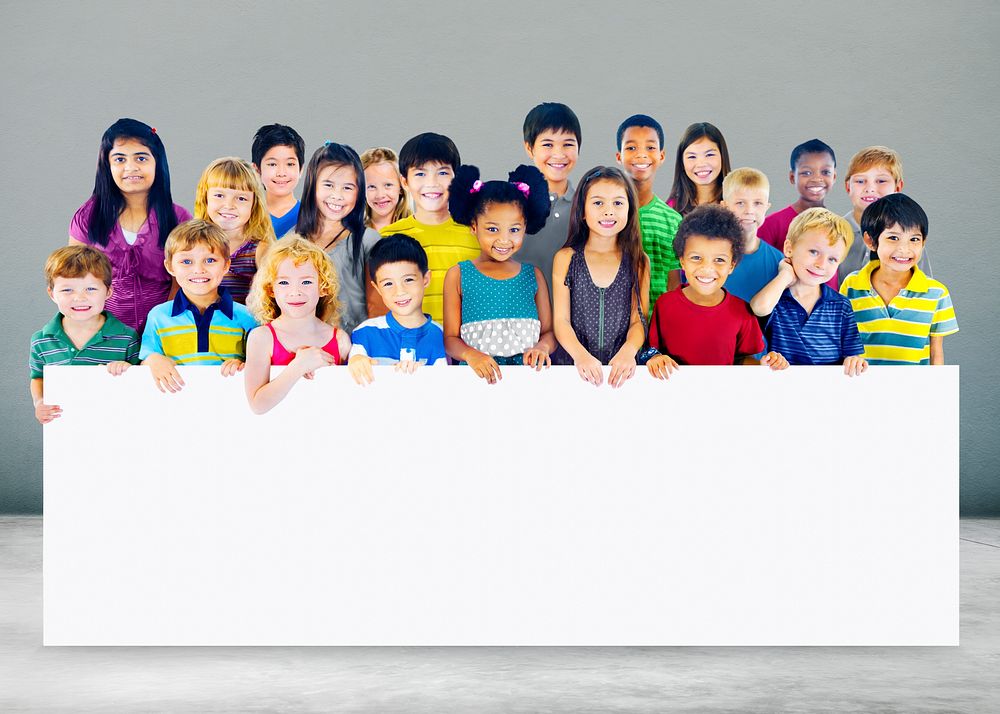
[446, 245]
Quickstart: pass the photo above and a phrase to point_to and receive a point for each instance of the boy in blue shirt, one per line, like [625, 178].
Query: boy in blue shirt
[278, 153]
[406, 336]
[745, 192]
[811, 323]
[202, 324]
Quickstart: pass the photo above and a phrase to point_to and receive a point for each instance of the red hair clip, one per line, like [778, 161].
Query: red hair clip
[152, 129]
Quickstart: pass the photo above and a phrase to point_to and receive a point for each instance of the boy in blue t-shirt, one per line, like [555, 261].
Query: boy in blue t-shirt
[745, 192]
[278, 153]
[406, 336]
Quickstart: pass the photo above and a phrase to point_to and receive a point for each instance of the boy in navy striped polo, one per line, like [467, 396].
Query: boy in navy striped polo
[810, 322]
[82, 332]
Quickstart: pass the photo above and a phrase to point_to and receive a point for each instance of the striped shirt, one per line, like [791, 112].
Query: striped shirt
[242, 268]
[384, 340]
[658, 223]
[900, 332]
[114, 342]
[826, 335]
[178, 330]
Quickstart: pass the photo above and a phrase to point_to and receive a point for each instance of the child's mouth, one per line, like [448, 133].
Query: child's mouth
[869, 199]
[705, 280]
[80, 308]
[557, 167]
[403, 302]
[501, 251]
[608, 224]
[816, 189]
[382, 205]
[704, 175]
[640, 167]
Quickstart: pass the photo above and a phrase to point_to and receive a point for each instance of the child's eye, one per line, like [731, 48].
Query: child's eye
[515, 229]
[491, 229]
[827, 172]
[805, 172]
[210, 260]
[186, 261]
[418, 173]
[140, 158]
[244, 199]
[282, 282]
[813, 251]
[409, 280]
[619, 203]
[834, 259]
[307, 281]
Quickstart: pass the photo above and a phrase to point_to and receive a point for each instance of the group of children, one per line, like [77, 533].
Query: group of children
[413, 259]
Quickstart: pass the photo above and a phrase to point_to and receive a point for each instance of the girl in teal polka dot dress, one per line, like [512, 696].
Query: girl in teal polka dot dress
[496, 310]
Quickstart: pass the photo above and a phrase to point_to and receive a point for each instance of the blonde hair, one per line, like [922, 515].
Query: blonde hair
[874, 156]
[236, 174]
[744, 178]
[294, 247]
[837, 227]
[197, 231]
[378, 155]
[77, 261]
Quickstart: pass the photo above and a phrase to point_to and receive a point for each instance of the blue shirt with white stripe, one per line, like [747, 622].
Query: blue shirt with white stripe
[827, 335]
[387, 342]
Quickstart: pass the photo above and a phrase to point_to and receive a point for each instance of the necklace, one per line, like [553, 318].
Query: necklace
[333, 240]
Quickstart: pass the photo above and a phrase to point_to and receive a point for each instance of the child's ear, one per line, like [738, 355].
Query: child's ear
[899, 186]
[256, 168]
[528, 151]
[618, 156]
[868, 240]
[723, 204]
[51, 296]
[663, 155]
[791, 177]
[166, 265]
[427, 278]
[111, 291]
[788, 248]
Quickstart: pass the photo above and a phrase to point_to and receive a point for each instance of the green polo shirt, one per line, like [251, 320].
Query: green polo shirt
[114, 342]
[658, 223]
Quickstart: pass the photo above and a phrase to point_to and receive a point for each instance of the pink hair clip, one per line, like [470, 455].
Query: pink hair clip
[522, 187]
[476, 185]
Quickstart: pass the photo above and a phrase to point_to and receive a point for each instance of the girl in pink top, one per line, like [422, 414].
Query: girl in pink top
[128, 218]
[294, 297]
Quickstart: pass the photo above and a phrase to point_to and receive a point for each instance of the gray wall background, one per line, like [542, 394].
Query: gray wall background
[919, 77]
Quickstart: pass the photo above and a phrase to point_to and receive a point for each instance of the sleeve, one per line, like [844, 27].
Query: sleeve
[150, 336]
[944, 322]
[359, 342]
[79, 226]
[35, 363]
[850, 337]
[436, 356]
[749, 341]
[132, 351]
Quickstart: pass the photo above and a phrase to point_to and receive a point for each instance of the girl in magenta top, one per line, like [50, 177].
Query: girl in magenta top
[294, 297]
[128, 218]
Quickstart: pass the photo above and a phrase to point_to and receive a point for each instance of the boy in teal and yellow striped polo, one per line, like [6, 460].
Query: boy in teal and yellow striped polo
[202, 325]
[902, 314]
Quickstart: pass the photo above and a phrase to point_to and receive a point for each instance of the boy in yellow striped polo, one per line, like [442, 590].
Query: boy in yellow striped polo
[902, 314]
[202, 325]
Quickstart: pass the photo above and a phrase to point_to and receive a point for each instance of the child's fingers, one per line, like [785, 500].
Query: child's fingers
[309, 375]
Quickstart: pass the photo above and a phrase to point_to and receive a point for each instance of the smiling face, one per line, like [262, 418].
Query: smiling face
[703, 161]
[279, 170]
[296, 288]
[813, 177]
[336, 192]
[382, 189]
[554, 152]
[641, 153]
[79, 299]
[899, 249]
[133, 167]
[605, 210]
[229, 208]
[500, 230]
[401, 287]
[428, 184]
[866, 187]
[198, 270]
[707, 262]
[749, 205]
[813, 259]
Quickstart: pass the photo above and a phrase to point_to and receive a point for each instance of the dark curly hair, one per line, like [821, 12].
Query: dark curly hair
[713, 222]
[465, 204]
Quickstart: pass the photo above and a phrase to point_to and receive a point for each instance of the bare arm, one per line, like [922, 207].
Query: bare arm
[264, 393]
[538, 355]
[588, 366]
[937, 349]
[763, 302]
[482, 364]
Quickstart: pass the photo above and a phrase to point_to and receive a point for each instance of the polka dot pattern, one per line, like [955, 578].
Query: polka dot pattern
[499, 317]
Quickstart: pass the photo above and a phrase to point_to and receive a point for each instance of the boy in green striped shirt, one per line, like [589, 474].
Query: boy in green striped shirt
[640, 152]
[81, 333]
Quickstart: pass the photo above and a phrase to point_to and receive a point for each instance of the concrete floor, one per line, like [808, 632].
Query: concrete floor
[210, 679]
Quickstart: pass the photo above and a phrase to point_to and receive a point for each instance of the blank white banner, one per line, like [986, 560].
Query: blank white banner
[726, 506]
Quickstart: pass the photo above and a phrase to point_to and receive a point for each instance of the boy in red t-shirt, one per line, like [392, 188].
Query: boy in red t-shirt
[701, 323]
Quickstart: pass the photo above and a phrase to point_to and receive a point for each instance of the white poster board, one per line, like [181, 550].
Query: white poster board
[727, 506]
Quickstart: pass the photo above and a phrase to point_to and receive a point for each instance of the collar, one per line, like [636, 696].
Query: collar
[918, 282]
[224, 304]
[396, 327]
[567, 197]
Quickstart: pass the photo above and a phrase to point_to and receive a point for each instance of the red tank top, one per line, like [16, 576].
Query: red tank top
[281, 356]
